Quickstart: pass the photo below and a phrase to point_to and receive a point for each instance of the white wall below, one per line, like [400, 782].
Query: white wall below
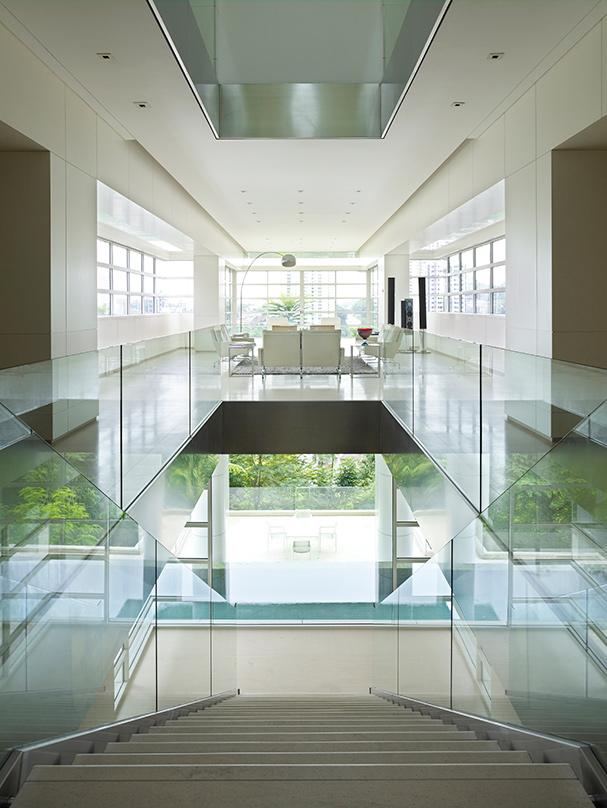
[487, 329]
[136, 327]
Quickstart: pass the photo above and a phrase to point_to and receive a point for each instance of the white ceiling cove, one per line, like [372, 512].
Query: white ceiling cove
[299, 195]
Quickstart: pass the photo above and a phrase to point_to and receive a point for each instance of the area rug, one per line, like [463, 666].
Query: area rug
[355, 365]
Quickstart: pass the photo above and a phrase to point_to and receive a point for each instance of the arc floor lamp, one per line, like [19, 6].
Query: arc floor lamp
[287, 260]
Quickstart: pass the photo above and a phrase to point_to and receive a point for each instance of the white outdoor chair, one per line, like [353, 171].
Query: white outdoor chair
[281, 349]
[322, 349]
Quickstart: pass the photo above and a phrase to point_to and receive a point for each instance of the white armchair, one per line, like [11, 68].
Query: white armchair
[281, 349]
[322, 349]
[387, 344]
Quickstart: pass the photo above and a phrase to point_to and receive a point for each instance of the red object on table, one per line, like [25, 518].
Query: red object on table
[364, 333]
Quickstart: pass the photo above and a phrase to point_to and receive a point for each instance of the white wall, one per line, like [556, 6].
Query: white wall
[135, 327]
[84, 148]
[565, 95]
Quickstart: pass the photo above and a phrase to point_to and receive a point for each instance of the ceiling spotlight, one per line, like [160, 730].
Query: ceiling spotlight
[259, 221]
[343, 221]
[358, 190]
[300, 191]
[353, 203]
[105, 56]
[457, 103]
[249, 203]
[495, 57]
[141, 104]
[243, 191]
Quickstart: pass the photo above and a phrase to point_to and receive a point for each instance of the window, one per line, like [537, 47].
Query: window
[132, 282]
[472, 281]
[305, 296]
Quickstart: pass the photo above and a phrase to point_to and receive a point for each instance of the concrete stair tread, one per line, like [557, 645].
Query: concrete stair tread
[326, 794]
[317, 771]
[163, 745]
[411, 735]
[471, 756]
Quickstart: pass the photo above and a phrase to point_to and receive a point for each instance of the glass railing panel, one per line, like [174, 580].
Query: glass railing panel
[155, 407]
[528, 404]
[73, 402]
[398, 391]
[424, 631]
[205, 365]
[447, 416]
[183, 631]
[224, 644]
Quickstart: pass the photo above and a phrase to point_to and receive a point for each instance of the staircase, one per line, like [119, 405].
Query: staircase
[303, 751]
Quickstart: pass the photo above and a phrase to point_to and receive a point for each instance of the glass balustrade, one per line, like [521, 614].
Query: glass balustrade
[86, 636]
[117, 414]
[509, 620]
[485, 415]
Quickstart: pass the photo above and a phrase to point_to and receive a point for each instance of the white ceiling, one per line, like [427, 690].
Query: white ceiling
[347, 188]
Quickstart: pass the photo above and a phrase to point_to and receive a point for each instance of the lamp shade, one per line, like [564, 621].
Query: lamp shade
[288, 260]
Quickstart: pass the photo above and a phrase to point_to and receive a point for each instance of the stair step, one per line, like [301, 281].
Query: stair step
[447, 733]
[344, 771]
[295, 727]
[450, 793]
[154, 758]
[161, 744]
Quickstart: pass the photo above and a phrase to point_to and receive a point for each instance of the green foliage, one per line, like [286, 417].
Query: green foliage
[285, 306]
[189, 474]
[286, 482]
[55, 496]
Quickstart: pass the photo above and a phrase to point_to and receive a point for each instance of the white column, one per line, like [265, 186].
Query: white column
[207, 272]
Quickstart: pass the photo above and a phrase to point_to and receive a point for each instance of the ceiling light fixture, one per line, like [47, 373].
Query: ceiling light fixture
[457, 103]
[243, 191]
[142, 104]
[495, 57]
[105, 56]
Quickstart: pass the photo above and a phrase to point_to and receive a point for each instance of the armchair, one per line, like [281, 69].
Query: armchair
[281, 349]
[322, 349]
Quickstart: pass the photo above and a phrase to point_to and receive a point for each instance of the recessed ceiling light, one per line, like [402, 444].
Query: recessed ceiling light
[300, 202]
[300, 191]
[347, 213]
[343, 221]
[142, 104]
[259, 221]
[105, 56]
[358, 190]
[457, 103]
[249, 203]
[243, 191]
[495, 57]
[353, 203]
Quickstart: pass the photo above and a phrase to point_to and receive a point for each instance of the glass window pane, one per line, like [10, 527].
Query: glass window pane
[103, 251]
[118, 255]
[135, 260]
[135, 282]
[455, 283]
[103, 278]
[134, 304]
[483, 304]
[148, 284]
[148, 263]
[254, 291]
[454, 261]
[119, 280]
[483, 255]
[354, 276]
[483, 278]
[175, 269]
[175, 305]
[499, 250]
[283, 291]
[468, 259]
[499, 303]
[467, 281]
[174, 286]
[317, 277]
[103, 303]
[119, 304]
[499, 276]
[350, 290]
[455, 303]
[468, 304]
[148, 305]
